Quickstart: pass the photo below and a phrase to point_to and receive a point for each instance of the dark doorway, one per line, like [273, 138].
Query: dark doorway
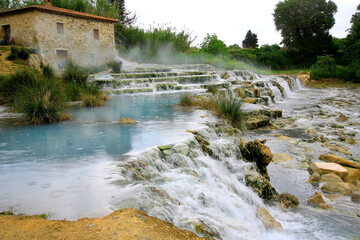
[5, 37]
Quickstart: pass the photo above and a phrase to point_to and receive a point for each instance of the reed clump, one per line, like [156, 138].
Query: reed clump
[43, 101]
[43, 97]
[222, 104]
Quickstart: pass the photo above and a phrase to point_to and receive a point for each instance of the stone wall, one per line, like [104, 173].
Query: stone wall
[38, 29]
[78, 39]
[21, 29]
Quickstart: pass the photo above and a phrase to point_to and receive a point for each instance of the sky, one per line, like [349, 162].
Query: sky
[228, 19]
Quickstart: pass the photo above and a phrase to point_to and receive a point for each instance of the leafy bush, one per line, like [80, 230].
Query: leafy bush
[345, 72]
[14, 81]
[212, 89]
[75, 74]
[115, 66]
[73, 91]
[325, 67]
[48, 72]
[23, 53]
[90, 100]
[186, 100]
[43, 101]
[151, 41]
[212, 45]
[231, 108]
[15, 53]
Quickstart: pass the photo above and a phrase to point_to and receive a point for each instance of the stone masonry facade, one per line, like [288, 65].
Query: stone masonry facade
[58, 34]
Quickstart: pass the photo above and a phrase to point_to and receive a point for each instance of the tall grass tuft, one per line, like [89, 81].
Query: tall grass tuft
[231, 108]
[223, 104]
[75, 74]
[11, 83]
[48, 72]
[115, 66]
[43, 101]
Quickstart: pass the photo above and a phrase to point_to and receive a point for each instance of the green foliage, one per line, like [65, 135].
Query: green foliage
[212, 89]
[305, 24]
[74, 74]
[231, 108]
[100, 7]
[115, 66]
[234, 46]
[4, 4]
[212, 45]
[325, 67]
[48, 72]
[105, 8]
[23, 53]
[351, 47]
[12, 83]
[186, 100]
[273, 56]
[7, 213]
[244, 54]
[153, 40]
[43, 101]
[250, 41]
[15, 53]
[92, 101]
[73, 91]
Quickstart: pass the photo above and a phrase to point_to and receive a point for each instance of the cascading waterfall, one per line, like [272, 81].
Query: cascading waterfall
[198, 186]
[192, 189]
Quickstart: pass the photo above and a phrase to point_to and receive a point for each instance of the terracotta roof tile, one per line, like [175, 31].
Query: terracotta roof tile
[60, 11]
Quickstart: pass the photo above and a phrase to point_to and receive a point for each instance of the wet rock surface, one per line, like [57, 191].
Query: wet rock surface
[318, 131]
[288, 200]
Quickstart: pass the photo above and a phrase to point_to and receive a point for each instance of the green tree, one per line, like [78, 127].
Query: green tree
[305, 24]
[352, 45]
[212, 45]
[234, 46]
[124, 16]
[4, 4]
[250, 41]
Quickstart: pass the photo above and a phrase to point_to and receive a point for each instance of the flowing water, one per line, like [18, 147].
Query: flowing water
[93, 165]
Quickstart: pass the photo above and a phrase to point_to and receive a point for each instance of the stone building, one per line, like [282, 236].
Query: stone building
[57, 34]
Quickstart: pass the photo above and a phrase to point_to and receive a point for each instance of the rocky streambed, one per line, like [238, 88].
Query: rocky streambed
[269, 182]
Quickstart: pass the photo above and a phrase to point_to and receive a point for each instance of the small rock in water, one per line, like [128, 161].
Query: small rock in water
[317, 200]
[338, 160]
[127, 120]
[288, 200]
[342, 118]
[268, 220]
[325, 167]
[351, 141]
[315, 177]
[337, 187]
[164, 147]
[330, 177]
[355, 195]
[281, 157]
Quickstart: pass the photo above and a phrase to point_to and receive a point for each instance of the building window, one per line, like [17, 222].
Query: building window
[93, 58]
[62, 56]
[60, 28]
[96, 34]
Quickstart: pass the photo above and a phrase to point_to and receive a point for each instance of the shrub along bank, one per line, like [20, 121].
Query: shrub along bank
[43, 97]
